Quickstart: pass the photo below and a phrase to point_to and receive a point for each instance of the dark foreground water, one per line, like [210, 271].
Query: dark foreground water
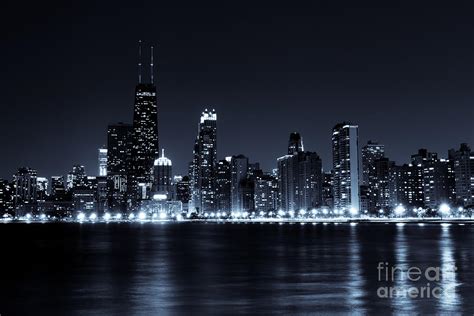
[210, 268]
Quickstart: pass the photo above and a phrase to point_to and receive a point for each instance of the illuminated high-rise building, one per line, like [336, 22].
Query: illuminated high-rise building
[119, 143]
[223, 185]
[295, 144]
[162, 171]
[25, 193]
[464, 175]
[371, 152]
[345, 150]
[145, 149]
[41, 188]
[204, 165]
[239, 167]
[76, 178]
[300, 178]
[102, 162]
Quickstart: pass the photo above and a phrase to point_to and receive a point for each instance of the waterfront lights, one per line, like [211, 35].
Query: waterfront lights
[107, 216]
[353, 211]
[281, 213]
[399, 210]
[162, 215]
[302, 212]
[118, 216]
[154, 216]
[81, 216]
[141, 216]
[444, 209]
[93, 216]
[43, 216]
[131, 216]
[28, 216]
[179, 217]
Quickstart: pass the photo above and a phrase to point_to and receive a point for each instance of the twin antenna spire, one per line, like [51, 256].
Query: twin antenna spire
[140, 63]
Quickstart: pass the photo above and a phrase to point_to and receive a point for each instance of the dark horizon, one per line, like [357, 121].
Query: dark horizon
[405, 79]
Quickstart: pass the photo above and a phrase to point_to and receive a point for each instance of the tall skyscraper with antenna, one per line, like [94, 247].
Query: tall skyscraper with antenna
[145, 148]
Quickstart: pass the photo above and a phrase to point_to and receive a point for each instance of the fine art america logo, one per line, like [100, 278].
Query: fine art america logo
[414, 282]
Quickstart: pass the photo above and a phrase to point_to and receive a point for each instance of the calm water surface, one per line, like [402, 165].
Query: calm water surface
[211, 268]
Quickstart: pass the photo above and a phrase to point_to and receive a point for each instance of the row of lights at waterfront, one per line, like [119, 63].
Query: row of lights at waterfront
[399, 211]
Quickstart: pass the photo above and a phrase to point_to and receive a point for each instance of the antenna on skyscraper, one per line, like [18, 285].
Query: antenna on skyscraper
[139, 61]
[151, 65]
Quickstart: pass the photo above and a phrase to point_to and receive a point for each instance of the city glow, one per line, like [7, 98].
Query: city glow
[399, 210]
[141, 216]
[81, 216]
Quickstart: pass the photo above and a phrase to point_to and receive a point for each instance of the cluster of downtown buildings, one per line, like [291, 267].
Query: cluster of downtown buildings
[133, 176]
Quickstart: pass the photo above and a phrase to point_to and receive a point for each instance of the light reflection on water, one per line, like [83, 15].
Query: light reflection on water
[209, 268]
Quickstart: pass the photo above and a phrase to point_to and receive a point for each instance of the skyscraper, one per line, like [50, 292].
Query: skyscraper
[145, 148]
[371, 152]
[223, 185]
[76, 178]
[239, 167]
[295, 143]
[204, 165]
[299, 177]
[119, 143]
[162, 173]
[266, 193]
[464, 175]
[24, 184]
[345, 150]
[102, 162]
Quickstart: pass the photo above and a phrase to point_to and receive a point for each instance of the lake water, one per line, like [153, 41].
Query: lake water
[232, 268]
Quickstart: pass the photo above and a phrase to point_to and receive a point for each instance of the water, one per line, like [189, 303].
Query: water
[211, 268]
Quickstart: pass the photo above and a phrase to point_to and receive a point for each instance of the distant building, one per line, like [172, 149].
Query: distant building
[102, 162]
[345, 149]
[463, 160]
[162, 173]
[204, 165]
[6, 197]
[371, 152]
[25, 188]
[76, 178]
[438, 178]
[58, 189]
[42, 186]
[380, 191]
[295, 144]
[145, 149]
[328, 196]
[239, 167]
[266, 193]
[119, 144]
[183, 192]
[223, 185]
[300, 179]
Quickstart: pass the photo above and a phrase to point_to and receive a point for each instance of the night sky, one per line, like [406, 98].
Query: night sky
[403, 72]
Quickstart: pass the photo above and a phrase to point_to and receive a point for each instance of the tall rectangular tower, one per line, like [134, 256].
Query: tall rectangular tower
[345, 150]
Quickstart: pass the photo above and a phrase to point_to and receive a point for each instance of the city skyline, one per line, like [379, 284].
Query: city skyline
[395, 84]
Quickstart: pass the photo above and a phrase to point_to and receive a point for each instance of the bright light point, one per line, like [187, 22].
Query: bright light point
[131, 216]
[118, 216]
[159, 197]
[154, 216]
[107, 216]
[354, 211]
[81, 216]
[162, 215]
[399, 210]
[444, 209]
[353, 224]
[28, 216]
[281, 213]
[43, 216]
[400, 224]
[445, 224]
[179, 217]
[245, 214]
[325, 223]
[141, 216]
[93, 216]
[325, 211]
[421, 224]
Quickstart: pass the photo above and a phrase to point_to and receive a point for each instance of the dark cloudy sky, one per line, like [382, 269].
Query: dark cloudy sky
[403, 71]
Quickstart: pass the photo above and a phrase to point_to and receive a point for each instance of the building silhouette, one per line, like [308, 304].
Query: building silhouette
[345, 150]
